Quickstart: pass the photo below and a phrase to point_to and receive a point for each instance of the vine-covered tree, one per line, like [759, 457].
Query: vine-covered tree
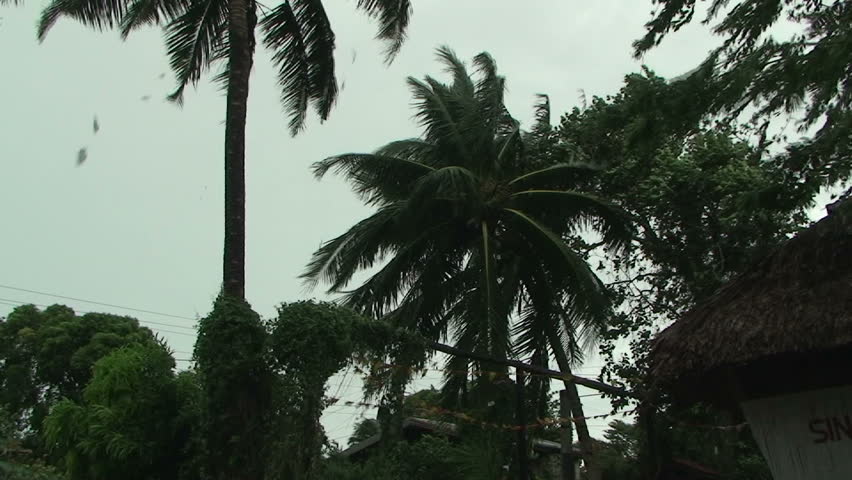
[470, 231]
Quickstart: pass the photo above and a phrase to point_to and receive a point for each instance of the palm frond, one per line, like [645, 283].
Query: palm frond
[455, 382]
[142, 13]
[359, 247]
[490, 90]
[554, 176]
[549, 314]
[568, 269]
[98, 14]
[574, 348]
[192, 39]
[530, 329]
[510, 146]
[538, 309]
[221, 50]
[283, 35]
[319, 42]
[375, 178]
[578, 210]
[412, 149]
[443, 193]
[471, 330]
[542, 114]
[585, 330]
[462, 82]
[393, 17]
[382, 290]
[426, 309]
[434, 112]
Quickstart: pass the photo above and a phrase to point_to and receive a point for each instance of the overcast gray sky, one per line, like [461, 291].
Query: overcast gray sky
[140, 222]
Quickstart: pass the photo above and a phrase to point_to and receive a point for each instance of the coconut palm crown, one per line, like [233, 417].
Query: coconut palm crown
[470, 231]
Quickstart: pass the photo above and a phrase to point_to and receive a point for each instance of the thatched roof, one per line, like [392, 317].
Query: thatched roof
[797, 302]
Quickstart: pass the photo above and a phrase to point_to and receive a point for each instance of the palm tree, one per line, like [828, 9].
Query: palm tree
[468, 230]
[205, 34]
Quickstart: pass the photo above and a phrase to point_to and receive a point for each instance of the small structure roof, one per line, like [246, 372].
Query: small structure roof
[794, 304]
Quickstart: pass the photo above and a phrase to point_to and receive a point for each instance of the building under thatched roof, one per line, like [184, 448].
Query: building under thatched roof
[784, 326]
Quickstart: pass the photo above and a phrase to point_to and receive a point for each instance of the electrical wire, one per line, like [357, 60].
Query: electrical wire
[18, 303]
[93, 302]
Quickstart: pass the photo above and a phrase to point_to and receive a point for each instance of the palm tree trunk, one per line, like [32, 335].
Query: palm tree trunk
[586, 442]
[240, 36]
[244, 406]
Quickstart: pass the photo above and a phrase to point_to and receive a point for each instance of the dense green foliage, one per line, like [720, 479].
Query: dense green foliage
[129, 414]
[475, 453]
[47, 355]
[431, 458]
[136, 420]
[620, 453]
[710, 204]
[363, 430]
[731, 452]
[17, 471]
[805, 74]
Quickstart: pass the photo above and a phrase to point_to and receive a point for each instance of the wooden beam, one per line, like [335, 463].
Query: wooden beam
[586, 382]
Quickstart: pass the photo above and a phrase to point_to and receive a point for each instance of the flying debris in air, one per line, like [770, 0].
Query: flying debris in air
[162, 76]
[354, 55]
[82, 155]
[145, 98]
[95, 125]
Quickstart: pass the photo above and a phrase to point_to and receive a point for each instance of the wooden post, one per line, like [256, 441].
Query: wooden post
[523, 461]
[566, 437]
[650, 461]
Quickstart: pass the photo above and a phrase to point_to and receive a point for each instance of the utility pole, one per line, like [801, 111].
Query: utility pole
[520, 407]
[566, 437]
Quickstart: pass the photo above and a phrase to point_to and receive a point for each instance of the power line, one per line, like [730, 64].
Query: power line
[18, 303]
[97, 303]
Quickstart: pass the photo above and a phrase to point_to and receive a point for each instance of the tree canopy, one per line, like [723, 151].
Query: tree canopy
[805, 74]
[47, 355]
[470, 232]
[137, 419]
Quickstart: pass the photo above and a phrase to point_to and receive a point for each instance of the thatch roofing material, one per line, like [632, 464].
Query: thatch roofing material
[797, 301]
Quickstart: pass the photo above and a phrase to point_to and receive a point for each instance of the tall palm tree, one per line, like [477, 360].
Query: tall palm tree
[205, 34]
[468, 230]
